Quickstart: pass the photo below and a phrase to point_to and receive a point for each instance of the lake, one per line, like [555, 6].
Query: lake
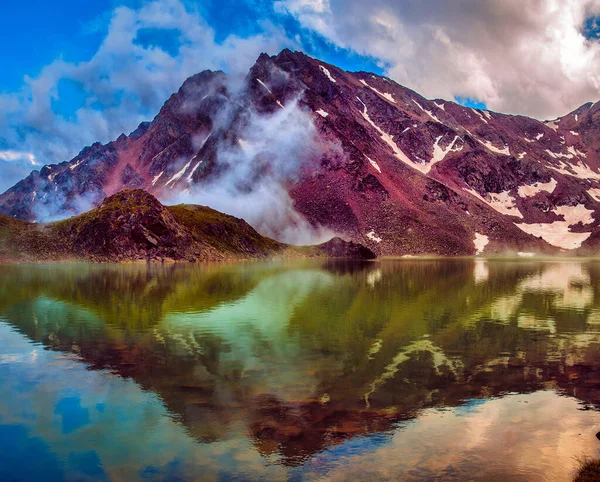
[386, 370]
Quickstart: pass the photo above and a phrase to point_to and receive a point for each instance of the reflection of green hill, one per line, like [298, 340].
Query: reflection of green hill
[306, 355]
[129, 296]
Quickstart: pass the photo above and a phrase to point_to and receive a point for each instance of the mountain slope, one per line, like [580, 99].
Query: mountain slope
[386, 167]
[134, 225]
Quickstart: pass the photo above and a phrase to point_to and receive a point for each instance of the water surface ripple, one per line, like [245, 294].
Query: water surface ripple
[389, 370]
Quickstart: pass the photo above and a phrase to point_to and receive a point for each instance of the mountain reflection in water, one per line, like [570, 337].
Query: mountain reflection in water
[454, 369]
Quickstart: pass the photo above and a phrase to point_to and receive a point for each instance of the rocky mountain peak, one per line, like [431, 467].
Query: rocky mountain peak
[380, 164]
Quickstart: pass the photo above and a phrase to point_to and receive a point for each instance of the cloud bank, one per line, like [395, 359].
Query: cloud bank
[256, 168]
[14, 166]
[535, 57]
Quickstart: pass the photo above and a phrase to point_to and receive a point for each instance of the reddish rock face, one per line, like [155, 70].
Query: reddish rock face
[407, 175]
[338, 248]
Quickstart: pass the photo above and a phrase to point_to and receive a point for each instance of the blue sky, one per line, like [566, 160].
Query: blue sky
[36, 32]
[73, 30]
[37, 36]
[75, 72]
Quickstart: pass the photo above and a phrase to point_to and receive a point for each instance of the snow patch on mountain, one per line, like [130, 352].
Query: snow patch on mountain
[531, 190]
[179, 174]
[578, 170]
[157, 177]
[328, 74]
[558, 155]
[439, 153]
[77, 164]
[501, 202]
[388, 139]
[429, 113]
[557, 234]
[194, 169]
[385, 95]
[374, 164]
[576, 152]
[480, 242]
[264, 86]
[373, 237]
[504, 151]
[483, 119]
[594, 193]
[199, 146]
[575, 214]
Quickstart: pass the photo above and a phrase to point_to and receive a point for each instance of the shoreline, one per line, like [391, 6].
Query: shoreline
[404, 258]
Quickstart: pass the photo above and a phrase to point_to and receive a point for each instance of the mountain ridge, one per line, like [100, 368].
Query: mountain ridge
[383, 165]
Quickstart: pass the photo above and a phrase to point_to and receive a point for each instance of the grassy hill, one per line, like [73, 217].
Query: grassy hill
[133, 225]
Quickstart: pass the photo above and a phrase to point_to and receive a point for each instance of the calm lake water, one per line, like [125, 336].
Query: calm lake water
[391, 370]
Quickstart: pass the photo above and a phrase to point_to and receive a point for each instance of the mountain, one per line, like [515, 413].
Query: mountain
[383, 165]
[134, 225]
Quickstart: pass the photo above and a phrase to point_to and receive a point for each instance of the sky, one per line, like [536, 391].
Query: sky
[75, 72]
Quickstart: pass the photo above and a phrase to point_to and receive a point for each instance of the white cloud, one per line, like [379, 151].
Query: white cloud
[124, 82]
[12, 172]
[9, 155]
[517, 56]
[256, 172]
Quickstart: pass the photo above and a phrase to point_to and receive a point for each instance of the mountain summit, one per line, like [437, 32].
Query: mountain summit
[306, 144]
